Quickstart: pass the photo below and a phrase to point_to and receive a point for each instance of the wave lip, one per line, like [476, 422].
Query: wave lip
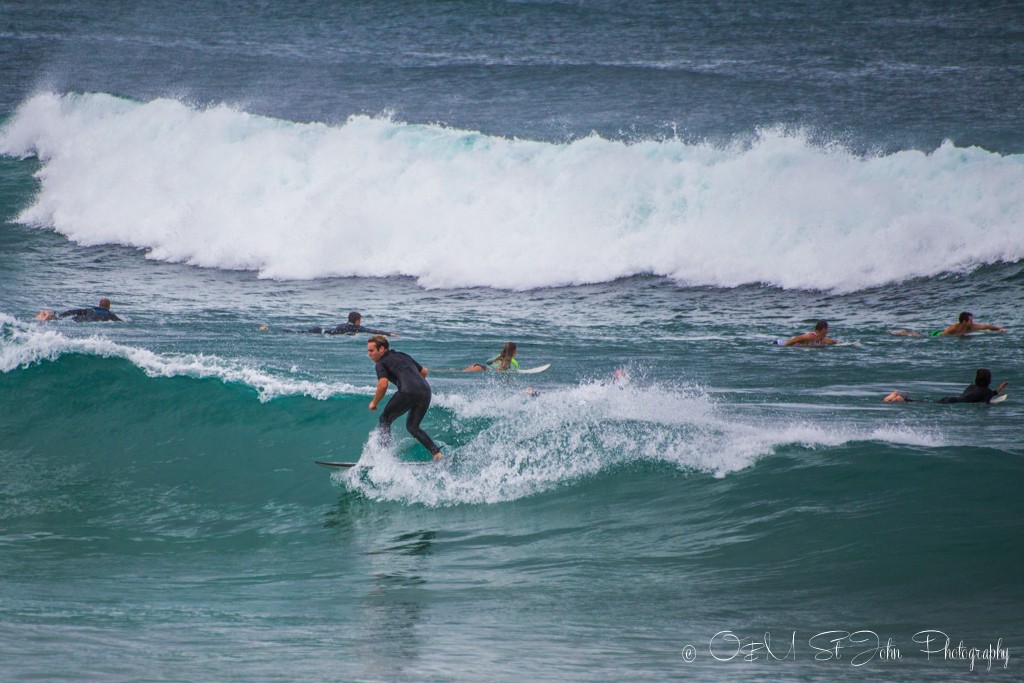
[373, 197]
[21, 345]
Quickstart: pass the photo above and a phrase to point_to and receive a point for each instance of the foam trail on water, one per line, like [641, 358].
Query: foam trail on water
[517, 445]
[220, 188]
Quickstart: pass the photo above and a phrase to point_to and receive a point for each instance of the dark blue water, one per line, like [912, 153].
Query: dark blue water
[881, 75]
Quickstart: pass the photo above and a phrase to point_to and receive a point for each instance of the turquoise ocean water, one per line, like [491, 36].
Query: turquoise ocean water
[666, 188]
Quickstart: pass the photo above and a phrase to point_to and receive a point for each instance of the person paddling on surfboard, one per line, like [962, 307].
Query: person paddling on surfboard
[413, 395]
[964, 325]
[816, 337]
[506, 360]
[353, 326]
[979, 392]
[96, 314]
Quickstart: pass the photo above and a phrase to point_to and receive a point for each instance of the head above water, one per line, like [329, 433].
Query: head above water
[966, 317]
[354, 317]
[105, 304]
[508, 350]
[982, 377]
[821, 326]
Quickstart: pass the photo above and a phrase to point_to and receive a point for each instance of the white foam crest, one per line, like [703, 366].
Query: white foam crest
[23, 344]
[520, 445]
[908, 436]
[220, 188]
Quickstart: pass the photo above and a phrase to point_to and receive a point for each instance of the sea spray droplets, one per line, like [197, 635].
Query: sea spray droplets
[517, 445]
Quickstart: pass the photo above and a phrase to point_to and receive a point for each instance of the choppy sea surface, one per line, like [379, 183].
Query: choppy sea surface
[662, 188]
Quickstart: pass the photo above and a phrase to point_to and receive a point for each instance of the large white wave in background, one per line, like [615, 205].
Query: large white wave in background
[220, 188]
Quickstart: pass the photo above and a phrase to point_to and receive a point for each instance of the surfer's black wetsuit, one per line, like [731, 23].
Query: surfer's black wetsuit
[344, 328]
[413, 396]
[94, 314]
[972, 394]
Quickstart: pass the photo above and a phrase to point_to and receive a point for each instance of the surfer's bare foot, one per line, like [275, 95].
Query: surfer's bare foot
[437, 456]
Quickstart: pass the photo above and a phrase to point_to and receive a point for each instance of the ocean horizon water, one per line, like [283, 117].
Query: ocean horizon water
[658, 189]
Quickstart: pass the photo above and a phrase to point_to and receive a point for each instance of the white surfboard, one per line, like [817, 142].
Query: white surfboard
[782, 342]
[335, 465]
[998, 399]
[520, 371]
[347, 465]
[533, 371]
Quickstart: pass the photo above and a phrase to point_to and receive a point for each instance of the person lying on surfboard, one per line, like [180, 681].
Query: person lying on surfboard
[506, 360]
[353, 326]
[95, 314]
[965, 325]
[979, 392]
[816, 337]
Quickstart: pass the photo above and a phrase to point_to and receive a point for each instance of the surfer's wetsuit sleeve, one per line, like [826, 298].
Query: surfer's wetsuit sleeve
[412, 397]
[73, 311]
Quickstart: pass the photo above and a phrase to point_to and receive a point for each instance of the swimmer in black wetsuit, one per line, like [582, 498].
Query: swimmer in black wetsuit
[413, 395]
[979, 392]
[96, 314]
[353, 326]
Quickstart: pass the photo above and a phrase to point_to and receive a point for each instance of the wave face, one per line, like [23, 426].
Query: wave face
[22, 346]
[502, 444]
[220, 188]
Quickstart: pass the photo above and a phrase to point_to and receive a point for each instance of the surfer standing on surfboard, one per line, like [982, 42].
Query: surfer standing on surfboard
[413, 395]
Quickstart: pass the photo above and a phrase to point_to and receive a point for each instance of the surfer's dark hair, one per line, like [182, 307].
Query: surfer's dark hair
[982, 377]
[380, 341]
[965, 316]
[354, 317]
[821, 325]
